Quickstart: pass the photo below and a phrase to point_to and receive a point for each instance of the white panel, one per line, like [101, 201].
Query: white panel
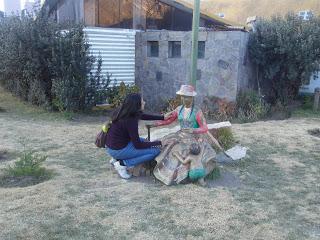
[314, 83]
[116, 47]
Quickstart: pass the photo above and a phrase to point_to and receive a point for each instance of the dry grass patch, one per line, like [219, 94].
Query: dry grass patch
[278, 197]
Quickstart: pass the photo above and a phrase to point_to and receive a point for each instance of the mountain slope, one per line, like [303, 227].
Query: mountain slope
[239, 10]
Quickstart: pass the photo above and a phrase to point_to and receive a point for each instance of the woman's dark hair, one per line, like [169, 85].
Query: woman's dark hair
[131, 107]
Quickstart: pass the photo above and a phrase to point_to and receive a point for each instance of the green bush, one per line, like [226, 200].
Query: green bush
[172, 104]
[98, 86]
[116, 94]
[307, 102]
[219, 109]
[225, 138]
[29, 165]
[286, 52]
[46, 63]
[250, 107]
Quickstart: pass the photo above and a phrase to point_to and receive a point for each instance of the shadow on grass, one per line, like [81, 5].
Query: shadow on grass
[6, 155]
[225, 179]
[23, 181]
[314, 132]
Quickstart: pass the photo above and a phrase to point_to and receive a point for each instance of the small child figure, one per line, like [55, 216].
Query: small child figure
[197, 171]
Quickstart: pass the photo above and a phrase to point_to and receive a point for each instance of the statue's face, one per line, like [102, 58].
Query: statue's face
[187, 101]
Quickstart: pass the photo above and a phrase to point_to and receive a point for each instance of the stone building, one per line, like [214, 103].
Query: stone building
[163, 64]
[148, 42]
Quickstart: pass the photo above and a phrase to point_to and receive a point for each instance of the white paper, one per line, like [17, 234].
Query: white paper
[236, 153]
[219, 125]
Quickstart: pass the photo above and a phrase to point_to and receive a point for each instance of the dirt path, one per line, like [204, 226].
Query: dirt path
[278, 197]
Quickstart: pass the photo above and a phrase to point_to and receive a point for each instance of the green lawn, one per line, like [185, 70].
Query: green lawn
[306, 113]
[278, 197]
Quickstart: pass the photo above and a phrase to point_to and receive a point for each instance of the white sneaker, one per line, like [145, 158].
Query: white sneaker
[122, 170]
[113, 161]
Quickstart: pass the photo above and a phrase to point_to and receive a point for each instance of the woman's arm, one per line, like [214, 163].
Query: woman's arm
[201, 120]
[150, 117]
[132, 128]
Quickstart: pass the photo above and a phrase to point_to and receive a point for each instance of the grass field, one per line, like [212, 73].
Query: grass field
[278, 198]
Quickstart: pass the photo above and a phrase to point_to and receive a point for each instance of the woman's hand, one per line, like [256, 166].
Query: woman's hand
[150, 125]
[168, 116]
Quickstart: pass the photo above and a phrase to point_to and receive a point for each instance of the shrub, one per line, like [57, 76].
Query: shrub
[98, 87]
[47, 63]
[225, 138]
[25, 57]
[286, 52]
[116, 94]
[172, 104]
[307, 102]
[251, 107]
[218, 109]
[28, 165]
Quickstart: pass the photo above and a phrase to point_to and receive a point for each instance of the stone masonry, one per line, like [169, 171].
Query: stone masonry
[222, 72]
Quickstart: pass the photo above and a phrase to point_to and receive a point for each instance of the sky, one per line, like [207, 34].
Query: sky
[2, 3]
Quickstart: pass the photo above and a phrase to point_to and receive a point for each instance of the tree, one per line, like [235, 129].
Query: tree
[286, 51]
[47, 63]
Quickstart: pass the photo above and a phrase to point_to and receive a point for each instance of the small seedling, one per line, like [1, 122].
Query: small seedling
[29, 164]
[26, 171]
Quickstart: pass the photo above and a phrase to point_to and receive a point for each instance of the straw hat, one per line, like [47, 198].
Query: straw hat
[187, 90]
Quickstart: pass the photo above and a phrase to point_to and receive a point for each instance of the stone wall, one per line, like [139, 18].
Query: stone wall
[223, 71]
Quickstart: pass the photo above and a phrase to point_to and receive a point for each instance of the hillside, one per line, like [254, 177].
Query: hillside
[239, 10]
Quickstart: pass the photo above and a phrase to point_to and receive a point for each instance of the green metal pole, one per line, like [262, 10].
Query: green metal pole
[195, 33]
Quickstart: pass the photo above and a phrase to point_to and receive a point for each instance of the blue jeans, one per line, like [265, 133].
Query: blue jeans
[132, 156]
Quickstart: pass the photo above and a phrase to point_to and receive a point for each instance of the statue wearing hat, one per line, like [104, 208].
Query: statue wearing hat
[190, 155]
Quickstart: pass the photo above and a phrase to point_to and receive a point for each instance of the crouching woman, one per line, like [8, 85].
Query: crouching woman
[123, 141]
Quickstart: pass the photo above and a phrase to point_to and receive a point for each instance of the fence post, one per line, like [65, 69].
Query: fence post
[194, 51]
[316, 99]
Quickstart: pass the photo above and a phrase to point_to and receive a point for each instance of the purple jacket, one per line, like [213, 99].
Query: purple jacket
[124, 131]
